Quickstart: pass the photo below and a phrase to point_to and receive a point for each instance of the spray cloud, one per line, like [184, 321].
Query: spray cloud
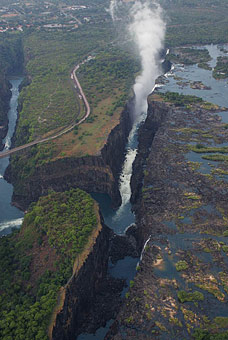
[147, 30]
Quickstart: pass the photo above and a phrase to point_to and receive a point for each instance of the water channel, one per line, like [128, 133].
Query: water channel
[10, 217]
[217, 94]
[120, 219]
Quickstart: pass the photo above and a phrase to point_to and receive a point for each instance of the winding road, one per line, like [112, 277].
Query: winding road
[6, 153]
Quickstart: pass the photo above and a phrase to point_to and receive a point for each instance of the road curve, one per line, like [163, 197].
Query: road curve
[62, 132]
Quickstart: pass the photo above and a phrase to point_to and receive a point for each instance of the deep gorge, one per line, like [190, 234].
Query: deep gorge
[99, 174]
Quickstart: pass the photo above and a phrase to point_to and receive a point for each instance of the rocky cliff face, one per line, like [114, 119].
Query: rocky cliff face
[81, 290]
[11, 62]
[157, 113]
[91, 173]
[5, 95]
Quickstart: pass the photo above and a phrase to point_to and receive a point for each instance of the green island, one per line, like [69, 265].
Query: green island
[189, 56]
[221, 69]
[187, 101]
[40, 259]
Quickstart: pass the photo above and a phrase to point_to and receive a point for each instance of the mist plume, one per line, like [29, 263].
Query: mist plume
[144, 23]
[147, 29]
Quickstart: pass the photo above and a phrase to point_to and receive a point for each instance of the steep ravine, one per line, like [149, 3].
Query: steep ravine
[98, 173]
[11, 63]
[91, 285]
[155, 117]
[5, 95]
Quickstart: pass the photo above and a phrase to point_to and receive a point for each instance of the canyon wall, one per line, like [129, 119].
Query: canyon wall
[157, 112]
[11, 62]
[5, 95]
[81, 289]
[98, 173]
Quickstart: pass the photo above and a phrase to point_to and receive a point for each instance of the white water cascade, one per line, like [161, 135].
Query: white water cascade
[11, 224]
[147, 30]
[10, 216]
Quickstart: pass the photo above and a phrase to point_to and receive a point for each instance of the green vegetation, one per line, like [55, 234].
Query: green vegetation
[194, 22]
[192, 196]
[11, 54]
[111, 70]
[203, 334]
[57, 103]
[187, 101]
[50, 101]
[221, 69]
[132, 283]
[212, 287]
[216, 158]
[221, 322]
[216, 330]
[180, 99]
[199, 148]
[129, 320]
[160, 326]
[205, 66]
[189, 56]
[181, 265]
[39, 259]
[187, 297]
[175, 321]
[224, 279]
[225, 248]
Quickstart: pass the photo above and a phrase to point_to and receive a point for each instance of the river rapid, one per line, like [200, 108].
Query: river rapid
[10, 217]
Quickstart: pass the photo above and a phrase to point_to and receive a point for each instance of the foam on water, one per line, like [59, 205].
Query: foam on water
[11, 224]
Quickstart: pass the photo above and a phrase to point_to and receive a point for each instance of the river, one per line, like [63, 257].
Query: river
[10, 216]
[217, 94]
[119, 219]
